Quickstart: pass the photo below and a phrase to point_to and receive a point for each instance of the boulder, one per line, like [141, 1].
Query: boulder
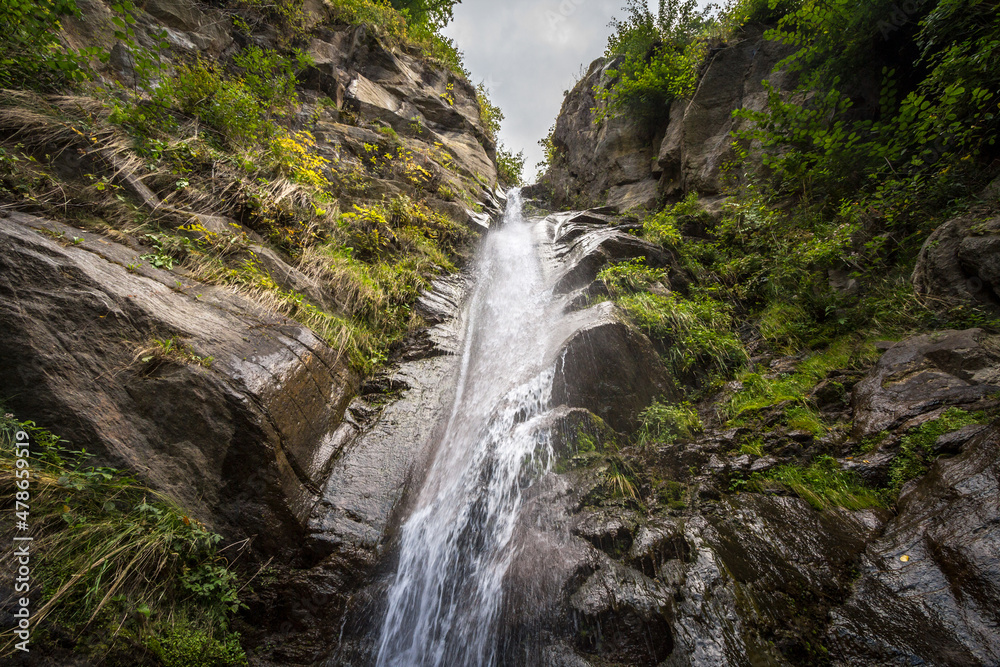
[924, 373]
[232, 424]
[960, 263]
[609, 367]
[930, 586]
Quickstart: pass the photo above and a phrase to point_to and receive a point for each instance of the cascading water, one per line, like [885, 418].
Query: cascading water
[457, 544]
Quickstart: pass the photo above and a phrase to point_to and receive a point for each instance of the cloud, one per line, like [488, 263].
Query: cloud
[529, 52]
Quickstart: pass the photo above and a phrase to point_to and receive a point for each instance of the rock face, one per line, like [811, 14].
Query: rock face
[930, 585]
[232, 424]
[960, 263]
[925, 374]
[630, 164]
[745, 579]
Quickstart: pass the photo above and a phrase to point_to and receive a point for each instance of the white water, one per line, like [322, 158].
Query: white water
[456, 546]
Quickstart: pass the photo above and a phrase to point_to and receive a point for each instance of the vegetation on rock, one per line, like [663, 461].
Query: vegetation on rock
[120, 565]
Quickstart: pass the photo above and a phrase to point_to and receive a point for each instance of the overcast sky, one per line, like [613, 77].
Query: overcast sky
[529, 52]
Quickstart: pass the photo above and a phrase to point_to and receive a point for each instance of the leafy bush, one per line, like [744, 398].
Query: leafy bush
[490, 114]
[510, 166]
[119, 558]
[656, 58]
[31, 56]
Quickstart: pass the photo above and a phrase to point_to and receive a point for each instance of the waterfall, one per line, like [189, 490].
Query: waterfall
[456, 546]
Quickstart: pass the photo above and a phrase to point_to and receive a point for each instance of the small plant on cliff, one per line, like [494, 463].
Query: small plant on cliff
[822, 484]
[916, 451]
[510, 166]
[664, 423]
[119, 562]
[630, 276]
[696, 333]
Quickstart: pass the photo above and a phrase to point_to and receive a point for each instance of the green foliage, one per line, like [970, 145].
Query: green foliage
[822, 484]
[490, 114]
[759, 392]
[187, 646]
[630, 276]
[550, 151]
[916, 450]
[31, 55]
[697, 333]
[661, 228]
[657, 58]
[927, 126]
[510, 166]
[241, 107]
[120, 560]
[620, 481]
[415, 22]
[435, 14]
[666, 424]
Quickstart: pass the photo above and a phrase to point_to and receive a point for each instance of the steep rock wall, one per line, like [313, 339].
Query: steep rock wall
[627, 163]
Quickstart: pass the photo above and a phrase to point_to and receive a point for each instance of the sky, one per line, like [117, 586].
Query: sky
[529, 52]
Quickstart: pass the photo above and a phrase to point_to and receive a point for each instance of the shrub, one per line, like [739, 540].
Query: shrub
[630, 276]
[490, 114]
[697, 333]
[510, 166]
[31, 55]
[657, 58]
[119, 558]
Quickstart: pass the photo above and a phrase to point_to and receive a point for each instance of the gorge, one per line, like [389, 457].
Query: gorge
[311, 380]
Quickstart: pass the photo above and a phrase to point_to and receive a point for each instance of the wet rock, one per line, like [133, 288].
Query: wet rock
[585, 249]
[365, 487]
[625, 616]
[609, 368]
[873, 468]
[829, 394]
[952, 443]
[924, 373]
[608, 529]
[959, 263]
[239, 439]
[929, 591]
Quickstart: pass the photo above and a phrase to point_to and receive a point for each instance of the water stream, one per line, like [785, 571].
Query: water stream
[456, 546]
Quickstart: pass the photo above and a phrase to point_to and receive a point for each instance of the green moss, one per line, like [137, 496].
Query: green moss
[760, 392]
[916, 450]
[666, 424]
[822, 484]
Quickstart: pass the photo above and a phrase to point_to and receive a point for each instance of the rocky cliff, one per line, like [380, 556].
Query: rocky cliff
[728, 550]
[635, 164]
[186, 311]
